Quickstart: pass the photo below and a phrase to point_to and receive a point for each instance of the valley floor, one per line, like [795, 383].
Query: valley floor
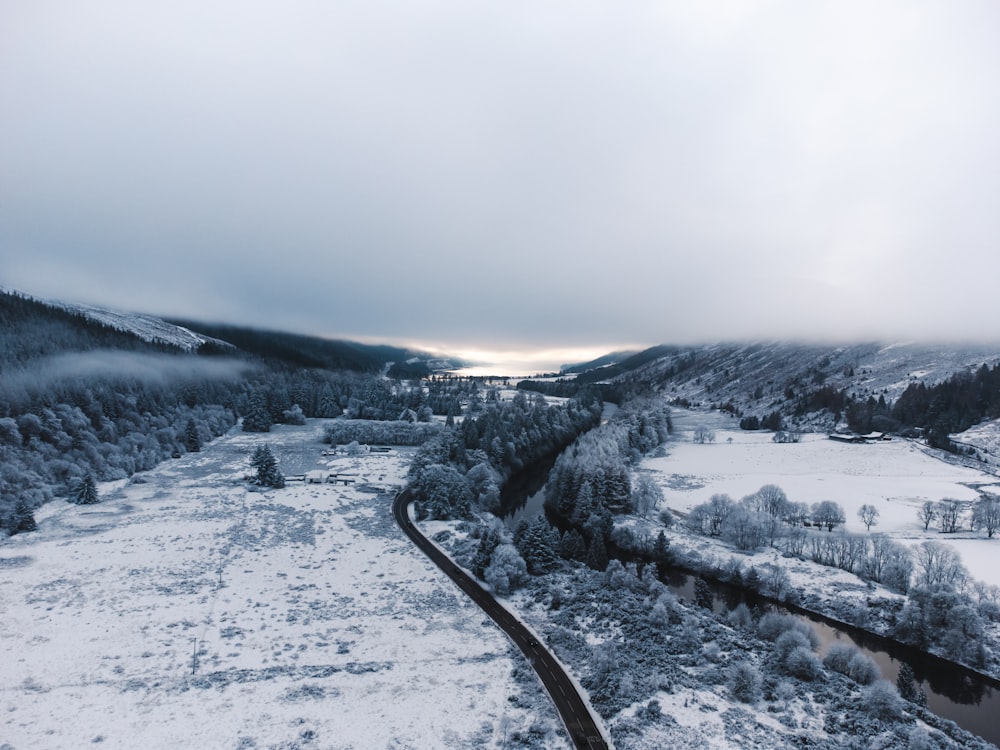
[187, 611]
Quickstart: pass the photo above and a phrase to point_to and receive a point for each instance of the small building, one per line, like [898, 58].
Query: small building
[844, 438]
[316, 476]
[876, 436]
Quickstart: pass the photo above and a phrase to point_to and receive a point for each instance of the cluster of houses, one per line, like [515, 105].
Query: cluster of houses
[325, 476]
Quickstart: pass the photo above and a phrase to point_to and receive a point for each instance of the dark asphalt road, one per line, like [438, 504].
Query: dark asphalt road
[579, 721]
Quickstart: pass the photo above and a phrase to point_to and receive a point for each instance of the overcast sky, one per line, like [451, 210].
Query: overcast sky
[509, 175]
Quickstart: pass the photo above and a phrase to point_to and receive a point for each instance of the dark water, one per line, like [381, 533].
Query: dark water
[968, 699]
[971, 701]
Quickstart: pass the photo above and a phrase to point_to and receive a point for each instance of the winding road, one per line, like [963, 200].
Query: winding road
[583, 728]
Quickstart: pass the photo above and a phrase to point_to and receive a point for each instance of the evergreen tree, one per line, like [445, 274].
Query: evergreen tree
[484, 552]
[597, 554]
[703, 594]
[572, 546]
[906, 683]
[258, 418]
[661, 548]
[536, 546]
[266, 466]
[84, 492]
[192, 442]
[23, 518]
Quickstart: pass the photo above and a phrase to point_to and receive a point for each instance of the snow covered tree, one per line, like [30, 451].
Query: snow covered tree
[828, 513]
[258, 418]
[23, 518]
[84, 492]
[927, 514]
[949, 513]
[294, 415]
[646, 496]
[266, 467]
[986, 515]
[573, 546]
[597, 554]
[443, 492]
[539, 546]
[745, 682]
[703, 435]
[703, 596]
[487, 544]
[192, 441]
[938, 563]
[906, 684]
[881, 700]
[506, 570]
[661, 548]
[869, 515]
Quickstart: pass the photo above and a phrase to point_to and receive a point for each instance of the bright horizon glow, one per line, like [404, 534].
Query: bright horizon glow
[524, 362]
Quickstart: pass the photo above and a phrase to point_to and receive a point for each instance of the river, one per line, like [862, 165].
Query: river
[955, 693]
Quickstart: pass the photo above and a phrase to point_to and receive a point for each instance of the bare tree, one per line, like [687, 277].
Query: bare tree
[646, 496]
[986, 514]
[950, 513]
[938, 563]
[770, 499]
[869, 515]
[703, 435]
[927, 514]
[828, 513]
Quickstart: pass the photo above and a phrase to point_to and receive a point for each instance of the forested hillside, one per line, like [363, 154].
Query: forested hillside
[861, 387]
[30, 329]
[81, 400]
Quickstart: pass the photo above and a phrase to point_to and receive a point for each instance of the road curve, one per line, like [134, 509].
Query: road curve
[583, 728]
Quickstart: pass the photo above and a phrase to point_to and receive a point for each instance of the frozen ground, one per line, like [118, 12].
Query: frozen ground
[897, 477]
[187, 611]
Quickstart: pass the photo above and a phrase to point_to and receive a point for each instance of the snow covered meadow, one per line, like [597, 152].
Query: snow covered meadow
[185, 610]
[895, 476]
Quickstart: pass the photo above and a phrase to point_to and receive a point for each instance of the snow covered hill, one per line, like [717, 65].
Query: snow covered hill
[147, 327]
[763, 377]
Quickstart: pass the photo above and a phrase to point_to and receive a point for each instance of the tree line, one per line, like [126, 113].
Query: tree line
[466, 464]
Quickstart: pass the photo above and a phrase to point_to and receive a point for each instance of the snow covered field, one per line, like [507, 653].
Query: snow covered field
[896, 476]
[187, 611]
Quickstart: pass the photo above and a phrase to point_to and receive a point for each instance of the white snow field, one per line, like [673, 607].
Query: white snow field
[187, 611]
[895, 476]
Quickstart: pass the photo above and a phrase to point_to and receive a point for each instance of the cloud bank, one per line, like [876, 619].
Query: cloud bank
[509, 175]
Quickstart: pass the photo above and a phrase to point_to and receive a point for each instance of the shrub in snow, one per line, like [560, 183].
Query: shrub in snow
[788, 642]
[838, 658]
[918, 739]
[802, 663]
[849, 661]
[294, 415]
[745, 682]
[881, 701]
[741, 617]
[651, 711]
[507, 569]
[863, 669]
[711, 651]
[773, 624]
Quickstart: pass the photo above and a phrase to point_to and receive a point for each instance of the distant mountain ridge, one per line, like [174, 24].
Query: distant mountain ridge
[35, 327]
[798, 380]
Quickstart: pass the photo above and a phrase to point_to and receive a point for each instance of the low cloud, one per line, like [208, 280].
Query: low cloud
[158, 369]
